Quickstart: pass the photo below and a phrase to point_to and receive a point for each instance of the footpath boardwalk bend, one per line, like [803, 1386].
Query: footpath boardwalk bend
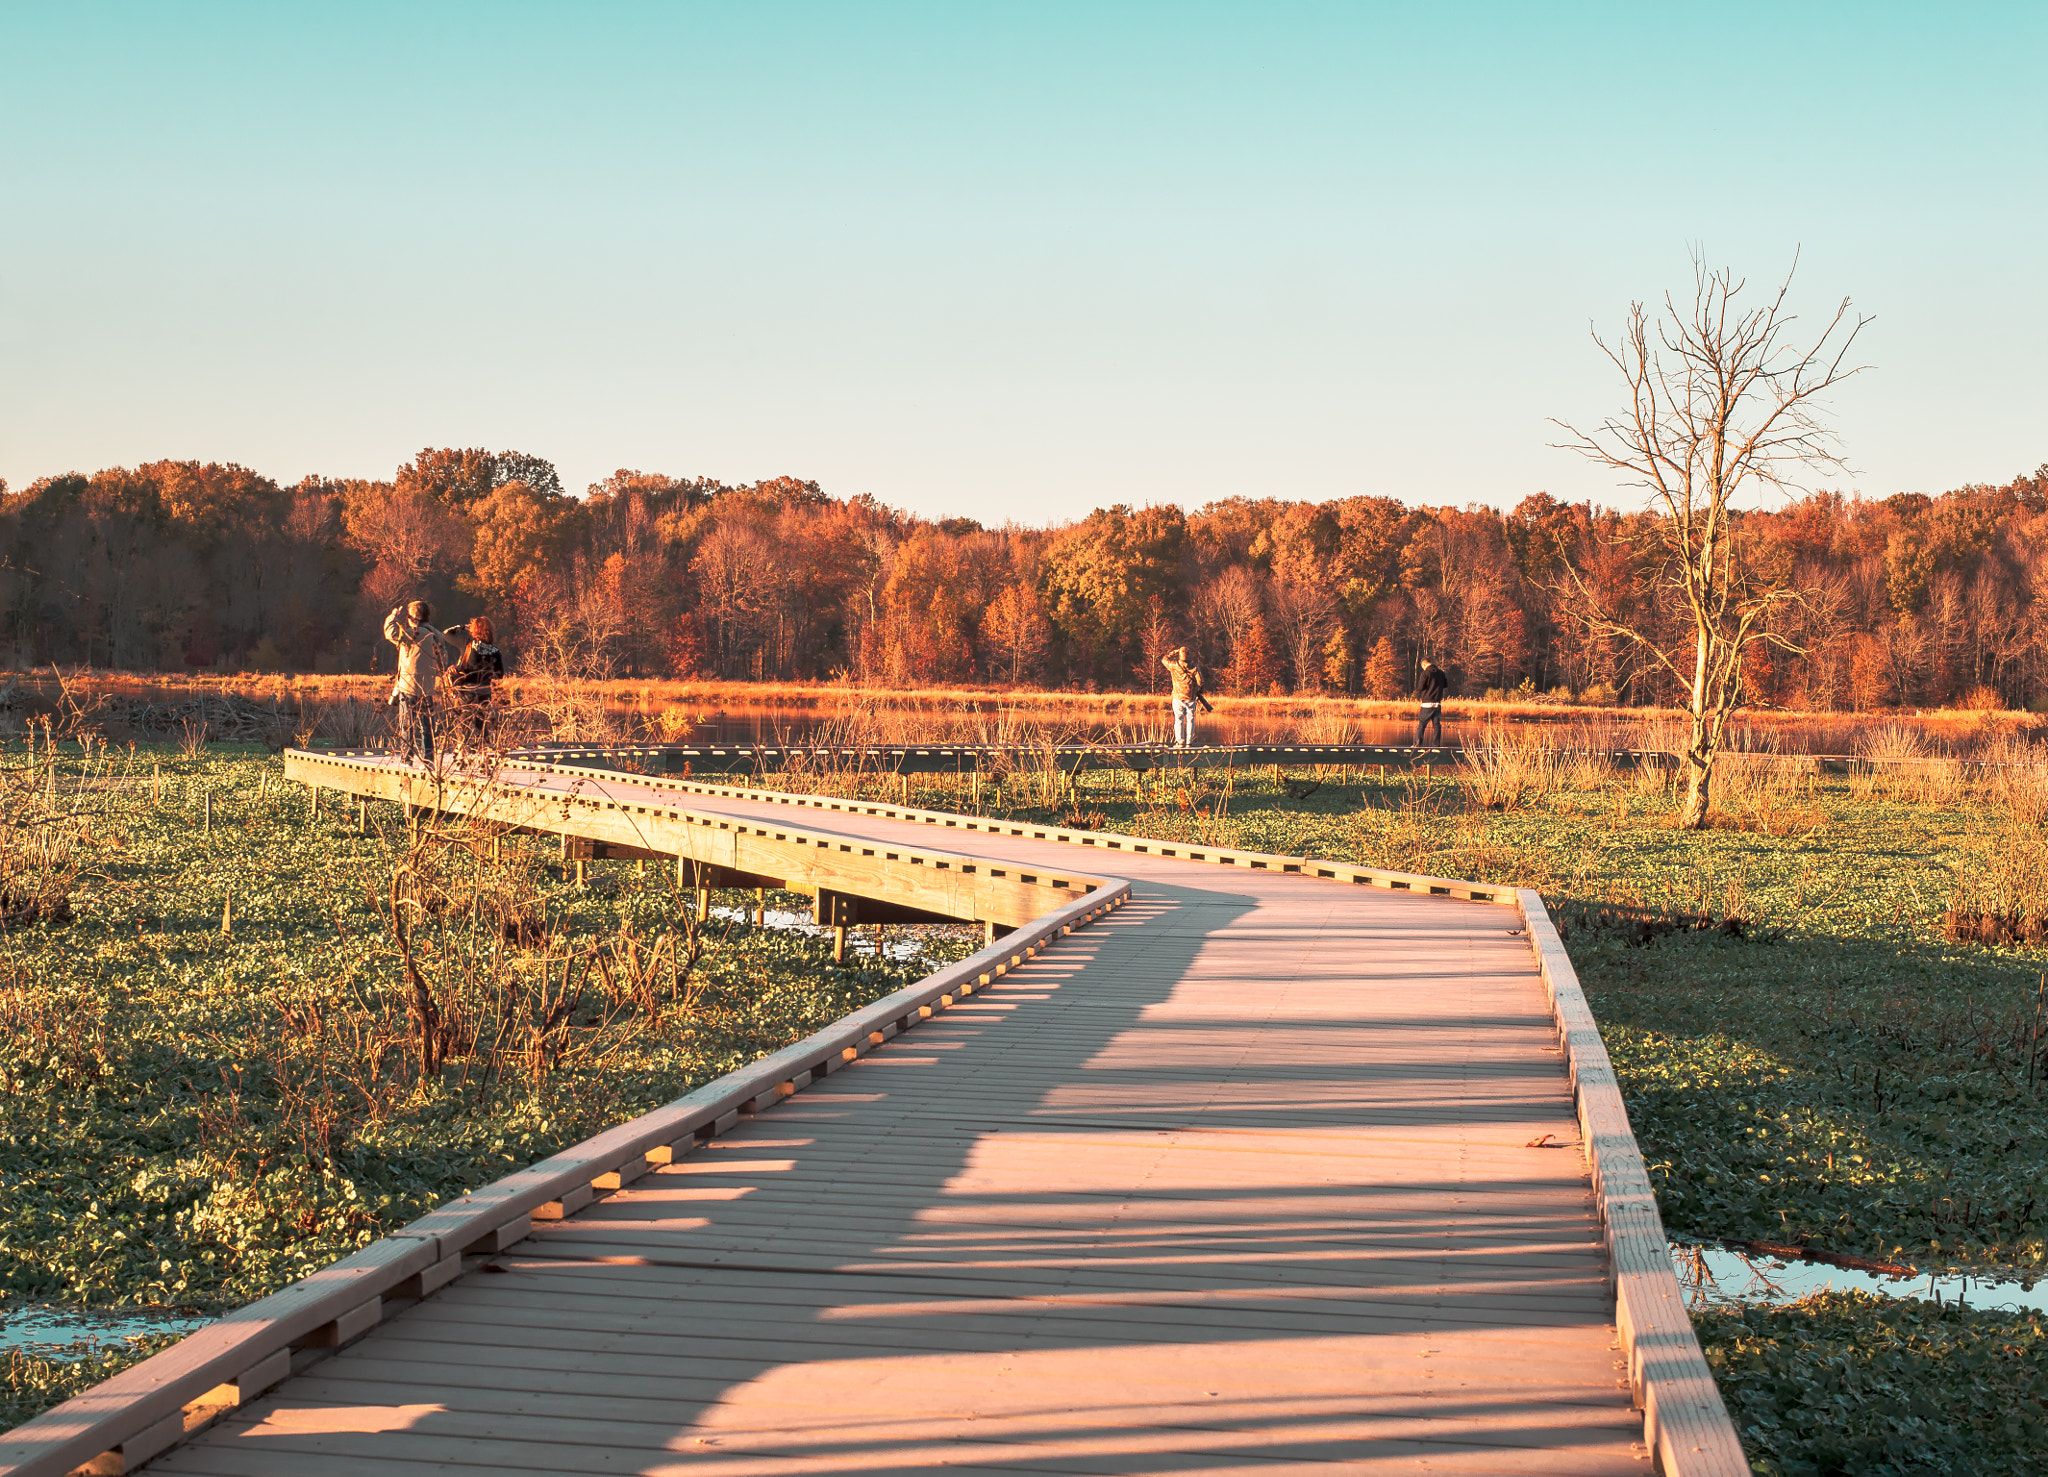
[1210, 1162]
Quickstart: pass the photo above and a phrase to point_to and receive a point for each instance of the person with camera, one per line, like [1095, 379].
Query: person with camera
[421, 651]
[1186, 678]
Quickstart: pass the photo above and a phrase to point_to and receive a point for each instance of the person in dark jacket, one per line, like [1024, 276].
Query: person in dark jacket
[1429, 688]
[475, 676]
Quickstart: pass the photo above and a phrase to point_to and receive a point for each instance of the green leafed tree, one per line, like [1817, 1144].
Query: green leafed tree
[1101, 576]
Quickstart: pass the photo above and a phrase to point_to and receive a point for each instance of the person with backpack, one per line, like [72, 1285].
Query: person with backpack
[476, 675]
[1429, 688]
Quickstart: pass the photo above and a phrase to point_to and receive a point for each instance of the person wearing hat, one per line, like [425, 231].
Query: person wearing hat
[420, 649]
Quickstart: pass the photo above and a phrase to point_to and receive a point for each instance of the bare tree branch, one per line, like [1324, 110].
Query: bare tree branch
[1722, 402]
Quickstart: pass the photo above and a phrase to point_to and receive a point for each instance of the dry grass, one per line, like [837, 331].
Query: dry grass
[2001, 894]
[46, 830]
[1507, 766]
[1332, 726]
[2015, 780]
[348, 708]
[1906, 764]
[1757, 788]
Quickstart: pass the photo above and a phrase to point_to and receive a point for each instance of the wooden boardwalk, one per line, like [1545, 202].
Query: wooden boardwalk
[1236, 1179]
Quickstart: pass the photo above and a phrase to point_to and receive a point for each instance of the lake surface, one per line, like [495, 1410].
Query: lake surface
[852, 717]
[715, 728]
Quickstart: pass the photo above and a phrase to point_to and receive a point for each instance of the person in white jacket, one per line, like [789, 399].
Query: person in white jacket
[420, 656]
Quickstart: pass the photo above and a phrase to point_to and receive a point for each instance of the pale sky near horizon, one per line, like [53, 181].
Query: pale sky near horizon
[1012, 262]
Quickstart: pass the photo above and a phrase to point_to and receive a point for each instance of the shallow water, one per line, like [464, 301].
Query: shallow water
[719, 729]
[1714, 1274]
[57, 1332]
[859, 939]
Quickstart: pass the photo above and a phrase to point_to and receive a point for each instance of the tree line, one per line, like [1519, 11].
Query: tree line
[1908, 600]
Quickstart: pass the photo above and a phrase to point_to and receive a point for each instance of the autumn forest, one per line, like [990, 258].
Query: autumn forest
[1909, 600]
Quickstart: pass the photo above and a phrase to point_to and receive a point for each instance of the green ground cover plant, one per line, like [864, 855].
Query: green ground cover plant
[1809, 1058]
[244, 1039]
[1848, 1382]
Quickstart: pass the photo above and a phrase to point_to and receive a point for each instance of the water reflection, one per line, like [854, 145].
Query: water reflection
[53, 1332]
[1713, 1274]
[769, 727]
[901, 941]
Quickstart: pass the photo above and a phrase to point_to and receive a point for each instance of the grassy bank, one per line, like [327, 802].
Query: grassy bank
[217, 1074]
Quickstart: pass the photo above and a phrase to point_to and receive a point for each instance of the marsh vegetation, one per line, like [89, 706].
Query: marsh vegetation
[247, 1036]
[244, 1037]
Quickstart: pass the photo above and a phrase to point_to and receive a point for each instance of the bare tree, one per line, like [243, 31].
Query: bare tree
[1306, 612]
[1721, 403]
[1156, 637]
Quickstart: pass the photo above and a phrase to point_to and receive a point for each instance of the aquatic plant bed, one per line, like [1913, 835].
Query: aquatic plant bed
[217, 1079]
[1848, 1382]
[1807, 1060]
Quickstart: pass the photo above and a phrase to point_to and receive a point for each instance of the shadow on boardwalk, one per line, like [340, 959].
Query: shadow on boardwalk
[1228, 1180]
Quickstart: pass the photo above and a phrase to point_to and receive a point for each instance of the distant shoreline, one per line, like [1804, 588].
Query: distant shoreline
[824, 697]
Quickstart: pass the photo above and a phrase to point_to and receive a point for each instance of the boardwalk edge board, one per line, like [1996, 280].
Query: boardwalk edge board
[1071, 758]
[1222, 856]
[941, 884]
[1685, 1423]
[125, 1421]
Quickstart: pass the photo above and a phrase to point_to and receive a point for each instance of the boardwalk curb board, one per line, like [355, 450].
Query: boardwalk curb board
[1685, 1421]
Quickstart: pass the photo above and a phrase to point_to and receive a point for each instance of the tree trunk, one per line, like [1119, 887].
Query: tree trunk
[1699, 778]
[1699, 754]
[1699, 775]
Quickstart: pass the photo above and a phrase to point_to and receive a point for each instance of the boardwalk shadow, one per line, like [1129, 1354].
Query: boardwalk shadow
[1160, 1202]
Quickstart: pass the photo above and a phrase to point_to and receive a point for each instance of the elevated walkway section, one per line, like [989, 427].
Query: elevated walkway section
[1220, 1164]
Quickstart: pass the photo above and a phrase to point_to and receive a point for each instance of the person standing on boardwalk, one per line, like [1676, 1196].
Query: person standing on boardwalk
[1429, 688]
[1187, 692]
[476, 674]
[420, 649]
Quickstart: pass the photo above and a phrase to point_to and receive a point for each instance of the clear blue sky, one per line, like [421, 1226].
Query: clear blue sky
[1012, 262]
